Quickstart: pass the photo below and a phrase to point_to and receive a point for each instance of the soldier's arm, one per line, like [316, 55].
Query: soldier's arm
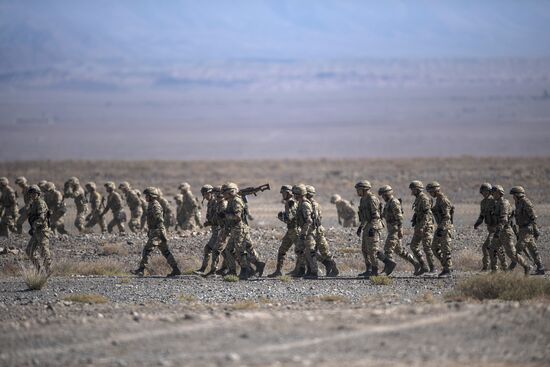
[236, 213]
[445, 213]
[307, 213]
[397, 214]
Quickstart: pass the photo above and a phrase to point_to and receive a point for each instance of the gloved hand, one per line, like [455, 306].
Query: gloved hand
[476, 226]
[280, 215]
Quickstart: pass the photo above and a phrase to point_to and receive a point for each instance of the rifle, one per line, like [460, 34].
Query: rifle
[251, 191]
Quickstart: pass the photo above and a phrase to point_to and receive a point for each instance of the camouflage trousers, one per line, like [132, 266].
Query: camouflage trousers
[526, 242]
[422, 240]
[135, 219]
[349, 222]
[80, 220]
[393, 246]
[190, 221]
[441, 247]
[116, 222]
[57, 222]
[306, 252]
[240, 249]
[21, 219]
[210, 247]
[290, 238]
[485, 250]
[96, 218]
[505, 239]
[321, 245]
[7, 222]
[40, 243]
[370, 246]
[157, 238]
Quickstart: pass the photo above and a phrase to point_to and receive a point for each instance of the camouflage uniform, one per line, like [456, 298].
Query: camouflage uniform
[305, 247]
[180, 215]
[347, 216]
[191, 215]
[56, 205]
[114, 204]
[393, 215]
[96, 201]
[504, 235]
[156, 233]
[486, 214]
[423, 227]
[143, 220]
[223, 231]
[526, 220]
[40, 232]
[168, 212]
[133, 201]
[8, 208]
[288, 216]
[211, 221]
[23, 212]
[442, 211]
[370, 224]
[75, 191]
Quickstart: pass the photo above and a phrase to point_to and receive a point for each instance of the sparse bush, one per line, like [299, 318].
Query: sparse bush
[504, 286]
[107, 267]
[87, 298]
[35, 279]
[231, 278]
[333, 298]
[381, 280]
[284, 278]
[109, 249]
[187, 298]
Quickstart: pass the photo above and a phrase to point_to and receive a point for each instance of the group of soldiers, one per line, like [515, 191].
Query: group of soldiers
[230, 245]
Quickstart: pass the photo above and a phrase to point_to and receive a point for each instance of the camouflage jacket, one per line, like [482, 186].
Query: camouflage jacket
[289, 217]
[422, 208]
[38, 215]
[442, 212]
[393, 213]
[369, 211]
[155, 216]
[114, 202]
[54, 200]
[26, 196]
[503, 213]
[133, 199]
[317, 213]
[345, 209]
[80, 200]
[95, 200]
[304, 217]
[211, 212]
[487, 212]
[235, 212]
[190, 204]
[221, 207]
[8, 200]
[525, 213]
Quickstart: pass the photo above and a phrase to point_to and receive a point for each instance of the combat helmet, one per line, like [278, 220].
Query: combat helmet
[109, 185]
[364, 184]
[151, 191]
[4, 181]
[384, 189]
[178, 198]
[433, 186]
[416, 185]
[206, 189]
[299, 189]
[73, 181]
[184, 186]
[498, 188]
[49, 186]
[91, 185]
[485, 186]
[217, 189]
[285, 188]
[517, 190]
[229, 186]
[124, 185]
[42, 184]
[34, 189]
[334, 198]
[21, 180]
[310, 190]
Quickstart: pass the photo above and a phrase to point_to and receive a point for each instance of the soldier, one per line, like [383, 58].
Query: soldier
[223, 233]
[443, 211]
[504, 235]
[370, 227]
[180, 215]
[134, 204]
[40, 232]
[393, 215]
[239, 235]
[75, 191]
[190, 208]
[23, 212]
[114, 204]
[528, 233]
[347, 216]
[306, 232]
[143, 220]
[207, 194]
[8, 208]
[422, 222]
[169, 217]
[486, 214]
[321, 243]
[56, 205]
[156, 232]
[97, 204]
[42, 185]
[287, 216]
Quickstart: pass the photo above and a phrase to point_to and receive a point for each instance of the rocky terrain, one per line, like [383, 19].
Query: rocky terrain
[191, 320]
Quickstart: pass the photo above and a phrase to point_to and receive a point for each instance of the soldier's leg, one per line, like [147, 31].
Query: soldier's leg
[322, 245]
[299, 250]
[527, 238]
[165, 251]
[365, 252]
[507, 240]
[446, 248]
[229, 254]
[286, 244]
[373, 251]
[23, 215]
[427, 239]
[45, 252]
[111, 225]
[4, 228]
[30, 250]
[79, 221]
[494, 249]
[218, 249]
[485, 251]
[120, 226]
[415, 246]
[311, 255]
[146, 253]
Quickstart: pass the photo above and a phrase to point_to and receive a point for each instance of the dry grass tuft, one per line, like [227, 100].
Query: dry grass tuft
[335, 298]
[231, 278]
[87, 298]
[467, 259]
[381, 280]
[187, 298]
[109, 249]
[35, 279]
[503, 286]
[285, 278]
[106, 267]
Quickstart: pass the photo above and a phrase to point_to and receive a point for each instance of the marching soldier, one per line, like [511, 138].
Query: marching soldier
[422, 222]
[347, 216]
[169, 217]
[207, 194]
[114, 204]
[191, 208]
[96, 203]
[156, 233]
[56, 205]
[134, 204]
[443, 211]
[223, 232]
[321, 243]
[40, 232]
[393, 215]
[486, 215]
[23, 212]
[75, 191]
[528, 233]
[8, 208]
[306, 231]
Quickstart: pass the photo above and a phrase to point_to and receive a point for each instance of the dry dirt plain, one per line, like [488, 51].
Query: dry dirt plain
[270, 322]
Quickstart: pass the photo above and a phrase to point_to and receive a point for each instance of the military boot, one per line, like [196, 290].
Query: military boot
[175, 272]
[373, 273]
[328, 266]
[445, 273]
[333, 270]
[277, 272]
[389, 266]
[300, 272]
[540, 270]
[527, 270]
[512, 266]
[423, 268]
[296, 267]
[140, 272]
[245, 273]
[366, 273]
[260, 266]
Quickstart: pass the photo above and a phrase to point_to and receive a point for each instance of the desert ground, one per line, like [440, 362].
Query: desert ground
[93, 312]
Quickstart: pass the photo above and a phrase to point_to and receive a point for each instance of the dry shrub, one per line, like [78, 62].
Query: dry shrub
[106, 267]
[187, 298]
[109, 249]
[284, 278]
[467, 259]
[381, 280]
[231, 278]
[503, 286]
[87, 298]
[333, 298]
[35, 279]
